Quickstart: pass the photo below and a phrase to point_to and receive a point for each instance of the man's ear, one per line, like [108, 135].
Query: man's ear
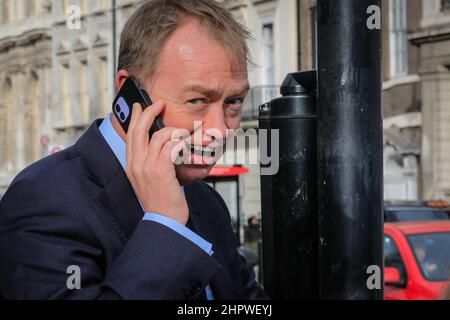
[121, 77]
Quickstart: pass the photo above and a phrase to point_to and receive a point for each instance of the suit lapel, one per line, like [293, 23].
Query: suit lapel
[120, 204]
[221, 284]
[116, 197]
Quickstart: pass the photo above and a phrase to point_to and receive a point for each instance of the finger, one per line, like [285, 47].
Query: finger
[160, 166]
[179, 154]
[142, 128]
[170, 152]
[159, 138]
[135, 114]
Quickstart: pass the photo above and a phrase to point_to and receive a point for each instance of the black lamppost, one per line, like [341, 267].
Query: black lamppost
[350, 148]
[114, 36]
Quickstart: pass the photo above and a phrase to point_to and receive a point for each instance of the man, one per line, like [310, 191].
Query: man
[114, 211]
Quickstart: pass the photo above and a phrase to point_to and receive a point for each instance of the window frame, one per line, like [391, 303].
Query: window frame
[398, 43]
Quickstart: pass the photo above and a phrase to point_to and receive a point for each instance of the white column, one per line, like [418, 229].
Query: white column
[20, 9]
[410, 176]
[19, 123]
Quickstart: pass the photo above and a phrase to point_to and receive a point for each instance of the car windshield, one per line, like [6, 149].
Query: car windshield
[432, 252]
[418, 215]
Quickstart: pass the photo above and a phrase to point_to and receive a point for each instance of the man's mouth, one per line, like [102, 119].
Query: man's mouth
[203, 151]
[202, 155]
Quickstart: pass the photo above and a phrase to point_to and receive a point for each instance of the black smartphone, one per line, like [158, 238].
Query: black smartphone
[130, 93]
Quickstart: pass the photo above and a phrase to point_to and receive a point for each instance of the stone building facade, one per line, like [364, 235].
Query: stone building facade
[25, 71]
[56, 74]
[432, 40]
[416, 104]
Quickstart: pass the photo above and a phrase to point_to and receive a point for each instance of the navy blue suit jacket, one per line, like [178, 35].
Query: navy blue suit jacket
[77, 208]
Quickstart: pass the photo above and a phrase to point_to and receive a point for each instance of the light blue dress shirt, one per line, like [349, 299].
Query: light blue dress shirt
[118, 147]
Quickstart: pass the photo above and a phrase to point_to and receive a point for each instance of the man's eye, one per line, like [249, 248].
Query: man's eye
[197, 101]
[235, 101]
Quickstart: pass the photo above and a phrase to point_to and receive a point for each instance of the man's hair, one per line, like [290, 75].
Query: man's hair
[149, 27]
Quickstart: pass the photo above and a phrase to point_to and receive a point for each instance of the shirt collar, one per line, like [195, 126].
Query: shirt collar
[114, 141]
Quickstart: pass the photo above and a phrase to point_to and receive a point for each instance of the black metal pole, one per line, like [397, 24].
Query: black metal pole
[350, 150]
[114, 37]
[238, 212]
[289, 195]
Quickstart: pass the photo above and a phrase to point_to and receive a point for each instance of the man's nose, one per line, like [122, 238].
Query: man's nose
[214, 125]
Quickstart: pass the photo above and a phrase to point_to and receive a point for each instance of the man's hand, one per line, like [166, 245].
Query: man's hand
[150, 167]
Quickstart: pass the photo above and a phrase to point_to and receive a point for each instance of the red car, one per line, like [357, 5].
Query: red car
[417, 259]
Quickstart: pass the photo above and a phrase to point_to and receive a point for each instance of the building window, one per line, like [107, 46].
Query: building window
[268, 59]
[398, 51]
[445, 5]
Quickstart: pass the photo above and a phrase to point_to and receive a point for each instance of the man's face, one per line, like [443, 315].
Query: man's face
[197, 81]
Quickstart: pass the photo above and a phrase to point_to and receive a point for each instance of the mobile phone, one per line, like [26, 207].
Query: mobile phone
[130, 93]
